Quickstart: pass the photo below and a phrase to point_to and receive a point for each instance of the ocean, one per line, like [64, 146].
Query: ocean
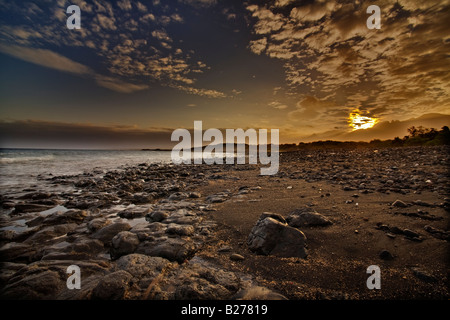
[22, 169]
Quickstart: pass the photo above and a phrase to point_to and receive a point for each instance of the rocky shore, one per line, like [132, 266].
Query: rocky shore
[225, 232]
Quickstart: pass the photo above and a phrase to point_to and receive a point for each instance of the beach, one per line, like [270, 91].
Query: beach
[168, 232]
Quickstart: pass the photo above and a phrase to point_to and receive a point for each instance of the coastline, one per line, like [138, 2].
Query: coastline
[155, 231]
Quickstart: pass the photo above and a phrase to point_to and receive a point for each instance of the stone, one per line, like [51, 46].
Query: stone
[181, 230]
[30, 207]
[134, 212]
[306, 218]
[70, 216]
[97, 223]
[173, 249]
[410, 233]
[258, 293]
[51, 232]
[156, 216]
[399, 204]
[123, 243]
[236, 257]
[196, 281]
[139, 265]
[386, 255]
[40, 285]
[113, 286]
[272, 237]
[108, 232]
[14, 251]
[423, 275]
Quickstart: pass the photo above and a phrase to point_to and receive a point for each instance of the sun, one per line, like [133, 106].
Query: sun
[358, 121]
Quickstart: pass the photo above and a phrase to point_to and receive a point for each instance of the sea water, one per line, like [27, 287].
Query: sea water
[22, 169]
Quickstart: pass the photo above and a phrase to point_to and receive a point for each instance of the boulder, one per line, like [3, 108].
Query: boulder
[173, 249]
[134, 212]
[399, 204]
[156, 216]
[113, 286]
[51, 232]
[306, 218]
[273, 237]
[70, 216]
[108, 232]
[42, 285]
[123, 243]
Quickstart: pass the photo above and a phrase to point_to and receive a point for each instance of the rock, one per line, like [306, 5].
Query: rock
[181, 230]
[70, 216]
[156, 216]
[51, 232]
[108, 232]
[173, 249]
[140, 266]
[236, 257]
[272, 237]
[113, 286]
[182, 216]
[306, 217]
[134, 212]
[225, 249]
[194, 195]
[437, 233]
[195, 281]
[123, 243]
[142, 198]
[410, 233]
[399, 204]
[423, 275]
[39, 285]
[30, 207]
[386, 255]
[258, 293]
[14, 251]
[97, 223]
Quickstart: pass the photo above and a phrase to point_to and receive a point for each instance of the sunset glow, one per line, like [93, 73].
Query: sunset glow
[358, 121]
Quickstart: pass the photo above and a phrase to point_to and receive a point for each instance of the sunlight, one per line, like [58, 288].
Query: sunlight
[358, 121]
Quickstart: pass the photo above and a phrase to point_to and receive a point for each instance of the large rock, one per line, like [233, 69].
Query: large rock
[108, 232]
[123, 243]
[173, 249]
[306, 218]
[144, 270]
[113, 286]
[75, 216]
[134, 212]
[42, 285]
[273, 237]
[51, 232]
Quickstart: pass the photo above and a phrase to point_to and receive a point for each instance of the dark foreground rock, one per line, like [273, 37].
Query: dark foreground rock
[270, 236]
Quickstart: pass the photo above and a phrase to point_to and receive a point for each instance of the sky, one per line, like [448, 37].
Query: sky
[137, 70]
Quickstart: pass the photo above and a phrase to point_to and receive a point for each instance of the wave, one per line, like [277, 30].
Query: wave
[9, 160]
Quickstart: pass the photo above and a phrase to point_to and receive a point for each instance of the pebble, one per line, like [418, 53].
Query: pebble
[236, 257]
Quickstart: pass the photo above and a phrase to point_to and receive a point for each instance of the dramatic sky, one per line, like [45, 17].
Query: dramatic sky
[137, 70]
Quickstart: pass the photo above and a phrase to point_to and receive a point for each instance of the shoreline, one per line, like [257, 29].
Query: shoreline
[187, 227]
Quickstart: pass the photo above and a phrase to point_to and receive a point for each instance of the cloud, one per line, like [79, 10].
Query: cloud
[118, 85]
[277, 105]
[45, 58]
[199, 3]
[115, 37]
[329, 53]
[46, 134]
